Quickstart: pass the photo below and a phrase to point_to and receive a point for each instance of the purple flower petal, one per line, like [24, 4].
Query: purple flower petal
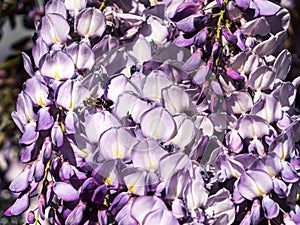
[116, 87]
[268, 46]
[56, 6]
[130, 104]
[106, 119]
[259, 26]
[66, 171]
[178, 208]
[154, 83]
[251, 126]
[266, 8]
[57, 65]
[244, 4]
[193, 62]
[135, 180]
[159, 30]
[24, 112]
[141, 50]
[119, 202]
[37, 91]
[116, 143]
[270, 164]
[65, 191]
[192, 23]
[37, 171]
[170, 164]
[201, 37]
[146, 154]
[29, 153]
[282, 146]
[254, 183]
[30, 217]
[184, 10]
[239, 102]
[39, 49]
[280, 188]
[30, 134]
[102, 217]
[50, 32]
[184, 41]
[20, 206]
[231, 38]
[124, 217]
[100, 194]
[268, 108]
[202, 73]
[91, 23]
[21, 182]
[158, 124]
[57, 135]
[160, 217]
[282, 64]
[234, 141]
[195, 194]
[71, 122]
[47, 149]
[289, 174]
[176, 184]
[144, 205]
[271, 208]
[27, 64]
[255, 212]
[231, 167]
[71, 94]
[257, 147]
[261, 78]
[75, 5]
[240, 40]
[45, 121]
[175, 99]
[82, 55]
[76, 215]
[186, 131]
[41, 206]
[220, 206]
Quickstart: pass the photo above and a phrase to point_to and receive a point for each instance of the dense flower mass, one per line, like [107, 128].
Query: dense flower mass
[159, 112]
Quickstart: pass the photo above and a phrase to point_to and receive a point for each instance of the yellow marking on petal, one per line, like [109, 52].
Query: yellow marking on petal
[107, 181]
[235, 173]
[118, 154]
[151, 167]
[56, 74]
[40, 101]
[56, 39]
[127, 72]
[271, 174]
[71, 105]
[154, 134]
[260, 192]
[82, 152]
[284, 154]
[28, 117]
[131, 188]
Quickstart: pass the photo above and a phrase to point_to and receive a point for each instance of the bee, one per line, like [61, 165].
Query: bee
[97, 102]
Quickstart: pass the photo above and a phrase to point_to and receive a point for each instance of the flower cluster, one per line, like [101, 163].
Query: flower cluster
[171, 112]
